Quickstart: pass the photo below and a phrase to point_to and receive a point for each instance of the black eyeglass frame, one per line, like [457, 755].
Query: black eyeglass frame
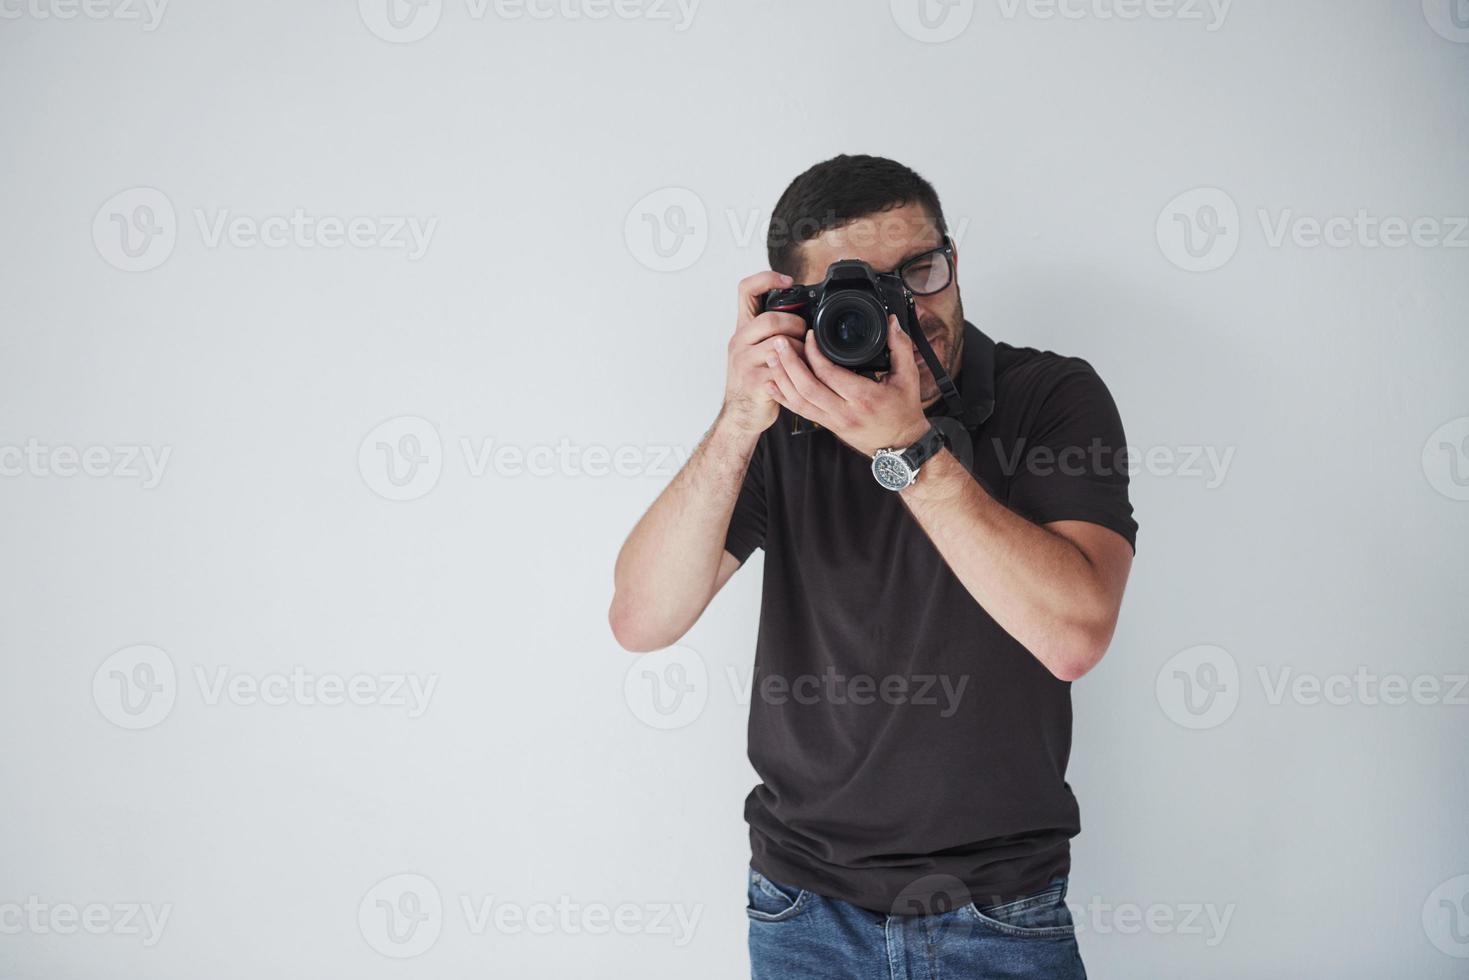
[946, 250]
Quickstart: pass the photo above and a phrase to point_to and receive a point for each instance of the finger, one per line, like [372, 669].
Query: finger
[752, 292]
[792, 397]
[901, 352]
[784, 394]
[768, 325]
[847, 384]
[807, 384]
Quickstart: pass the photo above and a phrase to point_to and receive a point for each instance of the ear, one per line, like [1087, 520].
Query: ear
[798, 264]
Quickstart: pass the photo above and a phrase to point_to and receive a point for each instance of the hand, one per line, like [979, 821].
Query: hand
[748, 403]
[865, 414]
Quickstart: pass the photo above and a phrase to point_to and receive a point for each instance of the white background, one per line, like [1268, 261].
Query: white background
[1332, 835]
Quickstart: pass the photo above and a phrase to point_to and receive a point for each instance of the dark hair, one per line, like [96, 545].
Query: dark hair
[838, 191]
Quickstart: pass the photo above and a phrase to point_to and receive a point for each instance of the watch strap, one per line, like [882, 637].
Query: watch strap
[926, 448]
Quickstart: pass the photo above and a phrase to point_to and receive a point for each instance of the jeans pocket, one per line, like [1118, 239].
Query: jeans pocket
[771, 901]
[1043, 915]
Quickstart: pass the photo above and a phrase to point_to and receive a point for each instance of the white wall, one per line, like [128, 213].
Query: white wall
[1333, 540]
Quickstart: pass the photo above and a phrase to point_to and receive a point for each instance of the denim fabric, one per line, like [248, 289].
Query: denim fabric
[796, 935]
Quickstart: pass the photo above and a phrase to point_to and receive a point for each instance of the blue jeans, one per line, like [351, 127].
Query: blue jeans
[798, 935]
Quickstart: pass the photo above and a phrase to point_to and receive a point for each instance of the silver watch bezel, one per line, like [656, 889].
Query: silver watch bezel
[896, 454]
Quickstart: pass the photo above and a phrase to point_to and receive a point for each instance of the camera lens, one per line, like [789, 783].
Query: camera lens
[851, 328]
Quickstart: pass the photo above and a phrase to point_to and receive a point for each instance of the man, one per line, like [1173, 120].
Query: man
[911, 717]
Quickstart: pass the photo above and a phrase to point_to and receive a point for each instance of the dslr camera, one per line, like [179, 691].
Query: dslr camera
[849, 311]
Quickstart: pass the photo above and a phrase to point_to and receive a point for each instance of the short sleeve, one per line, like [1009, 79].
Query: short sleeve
[747, 523]
[1073, 465]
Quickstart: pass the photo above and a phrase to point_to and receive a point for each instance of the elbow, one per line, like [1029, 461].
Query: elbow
[632, 630]
[1082, 650]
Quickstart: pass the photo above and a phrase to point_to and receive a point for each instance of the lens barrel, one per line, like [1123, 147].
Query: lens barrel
[851, 327]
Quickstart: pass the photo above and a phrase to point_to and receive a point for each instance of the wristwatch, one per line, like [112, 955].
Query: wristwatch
[896, 469]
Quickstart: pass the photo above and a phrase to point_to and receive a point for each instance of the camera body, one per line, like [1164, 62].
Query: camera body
[849, 311]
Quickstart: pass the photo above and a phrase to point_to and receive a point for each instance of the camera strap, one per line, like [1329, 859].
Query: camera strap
[947, 389]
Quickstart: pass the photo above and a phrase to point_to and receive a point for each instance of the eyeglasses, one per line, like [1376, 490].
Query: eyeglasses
[930, 272]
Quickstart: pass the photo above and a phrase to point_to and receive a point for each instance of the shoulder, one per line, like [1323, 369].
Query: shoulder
[1027, 376]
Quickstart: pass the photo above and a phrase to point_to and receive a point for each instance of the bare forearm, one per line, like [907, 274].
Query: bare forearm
[668, 568]
[1039, 586]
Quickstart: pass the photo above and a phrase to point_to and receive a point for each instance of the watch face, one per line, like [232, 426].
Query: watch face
[892, 471]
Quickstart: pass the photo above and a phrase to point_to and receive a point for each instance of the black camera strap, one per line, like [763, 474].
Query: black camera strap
[947, 389]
